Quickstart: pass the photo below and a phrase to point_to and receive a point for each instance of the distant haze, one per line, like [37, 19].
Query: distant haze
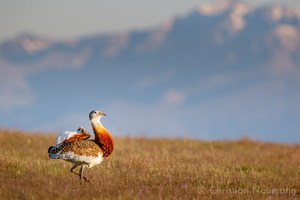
[69, 19]
[221, 71]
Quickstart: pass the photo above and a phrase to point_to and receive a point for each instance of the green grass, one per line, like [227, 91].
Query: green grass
[141, 168]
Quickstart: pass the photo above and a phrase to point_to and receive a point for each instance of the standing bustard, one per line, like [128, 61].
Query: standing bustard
[77, 149]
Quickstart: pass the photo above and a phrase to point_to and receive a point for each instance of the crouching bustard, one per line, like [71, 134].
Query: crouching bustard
[74, 146]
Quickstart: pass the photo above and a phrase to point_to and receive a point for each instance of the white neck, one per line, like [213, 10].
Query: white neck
[96, 121]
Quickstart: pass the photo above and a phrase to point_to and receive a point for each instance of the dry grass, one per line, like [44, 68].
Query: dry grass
[152, 169]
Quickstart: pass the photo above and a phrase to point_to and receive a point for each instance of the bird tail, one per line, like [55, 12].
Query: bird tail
[50, 149]
[53, 152]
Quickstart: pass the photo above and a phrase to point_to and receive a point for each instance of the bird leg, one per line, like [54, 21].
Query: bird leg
[72, 169]
[81, 174]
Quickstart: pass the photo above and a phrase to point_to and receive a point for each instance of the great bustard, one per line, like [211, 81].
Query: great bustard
[75, 148]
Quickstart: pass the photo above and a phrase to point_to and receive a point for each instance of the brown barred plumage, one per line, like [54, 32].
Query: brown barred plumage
[78, 137]
[82, 148]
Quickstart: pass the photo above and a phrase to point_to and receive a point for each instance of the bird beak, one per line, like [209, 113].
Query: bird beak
[103, 114]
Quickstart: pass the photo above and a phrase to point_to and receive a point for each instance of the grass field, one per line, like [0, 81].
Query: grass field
[141, 168]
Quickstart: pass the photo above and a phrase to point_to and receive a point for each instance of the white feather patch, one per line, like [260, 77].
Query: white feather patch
[65, 135]
[90, 161]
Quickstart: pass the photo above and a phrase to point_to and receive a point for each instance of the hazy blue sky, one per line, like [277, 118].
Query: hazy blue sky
[73, 18]
[218, 76]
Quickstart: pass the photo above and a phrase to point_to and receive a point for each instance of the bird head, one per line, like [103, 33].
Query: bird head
[95, 114]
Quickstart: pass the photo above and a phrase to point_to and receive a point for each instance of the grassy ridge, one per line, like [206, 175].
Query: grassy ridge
[152, 169]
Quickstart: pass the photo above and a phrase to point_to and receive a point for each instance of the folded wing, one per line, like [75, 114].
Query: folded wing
[71, 136]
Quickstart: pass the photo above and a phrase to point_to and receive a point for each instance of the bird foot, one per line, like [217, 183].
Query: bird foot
[86, 179]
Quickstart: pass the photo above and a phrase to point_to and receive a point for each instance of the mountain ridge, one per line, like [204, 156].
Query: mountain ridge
[238, 62]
